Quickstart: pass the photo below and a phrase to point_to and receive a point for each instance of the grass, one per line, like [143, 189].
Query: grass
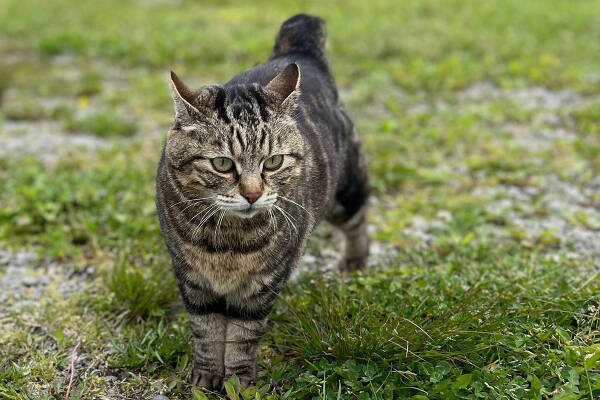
[476, 304]
[101, 123]
[453, 333]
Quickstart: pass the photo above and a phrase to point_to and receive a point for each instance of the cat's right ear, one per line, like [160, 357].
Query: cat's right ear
[285, 87]
[190, 103]
[183, 97]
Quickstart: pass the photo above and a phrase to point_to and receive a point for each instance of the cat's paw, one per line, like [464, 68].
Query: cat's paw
[347, 265]
[206, 379]
[244, 380]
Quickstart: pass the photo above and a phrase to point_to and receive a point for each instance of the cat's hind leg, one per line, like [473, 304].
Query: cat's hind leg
[356, 244]
[350, 213]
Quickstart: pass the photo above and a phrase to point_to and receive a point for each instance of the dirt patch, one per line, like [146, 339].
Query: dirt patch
[45, 140]
[555, 210]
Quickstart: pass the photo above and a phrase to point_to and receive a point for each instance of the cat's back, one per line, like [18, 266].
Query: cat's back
[301, 40]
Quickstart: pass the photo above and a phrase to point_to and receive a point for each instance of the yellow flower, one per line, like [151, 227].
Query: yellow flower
[83, 102]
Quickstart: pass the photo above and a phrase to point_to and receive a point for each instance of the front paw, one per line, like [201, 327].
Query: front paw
[206, 379]
[246, 374]
[244, 381]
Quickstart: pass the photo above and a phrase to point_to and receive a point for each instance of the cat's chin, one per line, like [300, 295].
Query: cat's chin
[246, 214]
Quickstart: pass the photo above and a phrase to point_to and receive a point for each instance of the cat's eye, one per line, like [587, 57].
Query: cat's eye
[273, 163]
[222, 164]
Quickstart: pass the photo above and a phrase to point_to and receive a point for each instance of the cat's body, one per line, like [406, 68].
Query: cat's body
[236, 234]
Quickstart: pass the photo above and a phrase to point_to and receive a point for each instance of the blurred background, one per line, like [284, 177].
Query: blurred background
[481, 121]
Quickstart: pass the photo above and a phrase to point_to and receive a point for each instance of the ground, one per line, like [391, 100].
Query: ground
[481, 121]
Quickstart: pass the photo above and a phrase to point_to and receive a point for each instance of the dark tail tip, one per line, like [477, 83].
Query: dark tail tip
[301, 33]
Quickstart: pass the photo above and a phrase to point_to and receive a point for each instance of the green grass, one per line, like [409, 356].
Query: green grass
[443, 326]
[29, 110]
[102, 123]
[478, 307]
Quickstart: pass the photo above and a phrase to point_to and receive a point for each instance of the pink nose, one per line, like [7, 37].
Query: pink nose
[252, 197]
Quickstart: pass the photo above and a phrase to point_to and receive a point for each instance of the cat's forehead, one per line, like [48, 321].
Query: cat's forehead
[246, 105]
[244, 125]
[250, 126]
[241, 138]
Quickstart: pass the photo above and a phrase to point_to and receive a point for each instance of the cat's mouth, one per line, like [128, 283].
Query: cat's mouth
[241, 208]
[247, 212]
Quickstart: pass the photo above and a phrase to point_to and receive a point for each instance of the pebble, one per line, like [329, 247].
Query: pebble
[30, 281]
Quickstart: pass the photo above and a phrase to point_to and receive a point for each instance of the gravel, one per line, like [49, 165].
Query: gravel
[544, 139]
[159, 397]
[24, 278]
[45, 140]
[326, 260]
[561, 200]
[528, 98]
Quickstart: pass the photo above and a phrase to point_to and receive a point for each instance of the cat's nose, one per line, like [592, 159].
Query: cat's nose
[251, 187]
[252, 197]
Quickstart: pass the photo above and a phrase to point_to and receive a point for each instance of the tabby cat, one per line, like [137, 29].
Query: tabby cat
[248, 170]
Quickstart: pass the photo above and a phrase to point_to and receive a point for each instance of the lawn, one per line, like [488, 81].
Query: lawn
[481, 121]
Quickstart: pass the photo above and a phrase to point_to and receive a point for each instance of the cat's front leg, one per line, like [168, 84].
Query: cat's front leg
[209, 333]
[241, 350]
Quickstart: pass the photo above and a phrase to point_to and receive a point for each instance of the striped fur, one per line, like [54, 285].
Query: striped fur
[234, 237]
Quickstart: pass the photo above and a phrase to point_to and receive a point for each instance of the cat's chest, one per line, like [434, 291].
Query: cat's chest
[228, 272]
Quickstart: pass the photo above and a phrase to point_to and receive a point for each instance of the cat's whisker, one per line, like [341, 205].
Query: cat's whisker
[269, 226]
[290, 215]
[294, 203]
[286, 216]
[209, 213]
[288, 224]
[272, 219]
[201, 212]
[223, 211]
[272, 215]
[206, 212]
[188, 200]
[204, 219]
[191, 205]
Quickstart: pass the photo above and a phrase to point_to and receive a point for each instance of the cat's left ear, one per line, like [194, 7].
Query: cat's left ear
[284, 88]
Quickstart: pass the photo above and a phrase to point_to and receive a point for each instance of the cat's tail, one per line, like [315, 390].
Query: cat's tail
[301, 34]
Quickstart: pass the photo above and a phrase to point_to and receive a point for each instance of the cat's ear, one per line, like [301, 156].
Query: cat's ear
[284, 87]
[193, 102]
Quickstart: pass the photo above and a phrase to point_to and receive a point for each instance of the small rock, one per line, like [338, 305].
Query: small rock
[159, 397]
[444, 215]
[419, 223]
[82, 361]
[30, 281]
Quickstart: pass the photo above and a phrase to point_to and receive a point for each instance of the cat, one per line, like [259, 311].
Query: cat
[248, 170]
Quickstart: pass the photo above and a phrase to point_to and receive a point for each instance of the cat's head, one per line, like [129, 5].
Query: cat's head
[236, 149]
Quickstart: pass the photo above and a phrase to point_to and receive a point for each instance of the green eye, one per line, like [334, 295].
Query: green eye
[222, 164]
[274, 162]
